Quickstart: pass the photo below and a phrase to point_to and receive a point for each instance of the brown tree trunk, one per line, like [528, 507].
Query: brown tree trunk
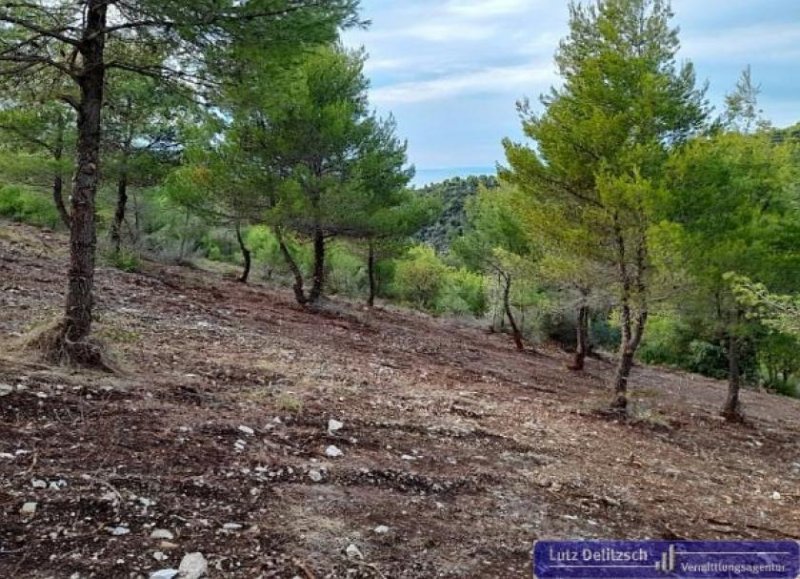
[582, 341]
[318, 279]
[515, 331]
[119, 213]
[83, 238]
[732, 410]
[245, 254]
[373, 285]
[299, 292]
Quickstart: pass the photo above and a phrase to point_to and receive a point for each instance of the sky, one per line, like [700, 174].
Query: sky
[451, 71]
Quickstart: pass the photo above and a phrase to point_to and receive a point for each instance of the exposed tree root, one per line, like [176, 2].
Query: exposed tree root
[52, 345]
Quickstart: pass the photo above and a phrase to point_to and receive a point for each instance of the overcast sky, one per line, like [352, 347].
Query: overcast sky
[451, 70]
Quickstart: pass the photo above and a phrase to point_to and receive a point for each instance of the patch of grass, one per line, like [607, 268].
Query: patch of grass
[288, 402]
[124, 260]
[118, 335]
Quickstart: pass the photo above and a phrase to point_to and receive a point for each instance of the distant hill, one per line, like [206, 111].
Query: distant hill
[454, 194]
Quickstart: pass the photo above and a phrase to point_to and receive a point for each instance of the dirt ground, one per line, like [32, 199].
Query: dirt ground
[457, 452]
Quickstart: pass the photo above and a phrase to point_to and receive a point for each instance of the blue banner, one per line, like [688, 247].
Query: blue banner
[664, 559]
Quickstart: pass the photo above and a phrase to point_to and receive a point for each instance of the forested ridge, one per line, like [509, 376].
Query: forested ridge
[157, 157]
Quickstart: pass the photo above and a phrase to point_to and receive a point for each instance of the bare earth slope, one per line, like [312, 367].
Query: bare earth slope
[466, 450]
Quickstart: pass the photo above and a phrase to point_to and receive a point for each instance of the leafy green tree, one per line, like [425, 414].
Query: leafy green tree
[497, 244]
[730, 207]
[39, 143]
[70, 41]
[602, 141]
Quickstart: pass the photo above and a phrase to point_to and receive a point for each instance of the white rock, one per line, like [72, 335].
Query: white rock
[381, 529]
[315, 476]
[333, 452]
[7, 456]
[247, 430]
[408, 457]
[38, 483]
[5, 390]
[776, 496]
[29, 508]
[120, 531]
[193, 566]
[353, 552]
[232, 527]
[162, 534]
[164, 574]
[159, 556]
[334, 426]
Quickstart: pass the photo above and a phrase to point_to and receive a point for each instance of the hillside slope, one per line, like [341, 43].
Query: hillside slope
[466, 450]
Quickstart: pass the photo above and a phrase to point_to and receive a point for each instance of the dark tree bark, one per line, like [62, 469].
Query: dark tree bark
[83, 239]
[318, 277]
[732, 410]
[299, 291]
[119, 213]
[582, 342]
[58, 178]
[515, 331]
[246, 254]
[373, 282]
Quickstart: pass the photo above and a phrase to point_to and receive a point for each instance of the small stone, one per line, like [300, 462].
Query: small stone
[408, 457]
[333, 452]
[247, 430]
[193, 566]
[160, 556]
[120, 531]
[353, 552]
[232, 527]
[29, 509]
[165, 574]
[381, 529]
[38, 483]
[315, 476]
[5, 390]
[776, 496]
[162, 534]
[334, 426]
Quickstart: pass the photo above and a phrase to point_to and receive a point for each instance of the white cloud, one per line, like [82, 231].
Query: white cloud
[448, 30]
[509, 79]
[746, 44]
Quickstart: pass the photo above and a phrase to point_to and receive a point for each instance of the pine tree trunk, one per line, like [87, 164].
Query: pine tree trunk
[119, 213]
[58, 178]
[582, 342]
[299, 291]
[515, 331]
[732, 410]
[246, 254]
[83, 235]
[373, 285]
[318, 279]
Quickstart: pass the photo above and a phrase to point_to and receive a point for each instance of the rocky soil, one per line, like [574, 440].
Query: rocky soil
[252, 438]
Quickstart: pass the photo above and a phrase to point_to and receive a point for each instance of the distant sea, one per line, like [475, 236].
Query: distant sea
[428, 176]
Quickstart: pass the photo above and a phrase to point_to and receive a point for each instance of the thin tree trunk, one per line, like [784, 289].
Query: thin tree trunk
[83, 235]
[299, 292]
[58, 178]
[732, 410]
[119, 213]
[373, 285]
[582, 342]
[245, 254]
[318, 279]
[515, 331]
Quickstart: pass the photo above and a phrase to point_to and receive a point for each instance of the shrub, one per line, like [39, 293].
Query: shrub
[28, 207]
[463, 293]
[666, 342]
[419, 277]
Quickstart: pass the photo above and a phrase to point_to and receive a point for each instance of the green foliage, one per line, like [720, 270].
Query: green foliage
[27, 206]
[667, 342]
[423, 280]
[124, 260]
[453, 196]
